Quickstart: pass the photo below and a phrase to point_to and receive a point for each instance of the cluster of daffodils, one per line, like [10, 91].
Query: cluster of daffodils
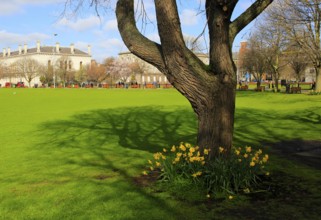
[251, 158]
[233, 171]
[184, 158]
[187, 153]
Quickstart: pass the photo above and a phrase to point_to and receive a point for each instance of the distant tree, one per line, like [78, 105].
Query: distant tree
[46, 74]
[2, 71]
[63, 69]
[194, 44]
[120, 70]
[254, 60]
[96, 73]
[108, 64]
[298, 62]
[136, 69]
[81, 75]
[274, 41]
[302, 18]
[27, 68]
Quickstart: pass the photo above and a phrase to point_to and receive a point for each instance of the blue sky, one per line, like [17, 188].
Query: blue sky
[27, 21]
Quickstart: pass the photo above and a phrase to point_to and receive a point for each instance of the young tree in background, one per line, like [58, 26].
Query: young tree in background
[46, 74]
[254, 60]
[298, 62]
[273, 37]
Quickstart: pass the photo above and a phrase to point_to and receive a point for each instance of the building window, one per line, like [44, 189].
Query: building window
[70, 65]
[49, 63]
[80, 65]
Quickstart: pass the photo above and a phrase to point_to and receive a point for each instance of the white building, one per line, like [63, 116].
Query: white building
[44, 55]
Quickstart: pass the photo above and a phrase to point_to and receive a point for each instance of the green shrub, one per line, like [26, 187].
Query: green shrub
[228, 174]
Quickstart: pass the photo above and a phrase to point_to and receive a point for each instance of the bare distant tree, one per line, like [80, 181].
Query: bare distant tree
[46, 74]
[194, 44]
[298, 62]
[27, 68]
[96, 73]
[2, 71]
[81, 75]
[254, 60]
[63, 69]
[108, 64]
[120, 70]
[274, 41]
[303, 21]
[136, 69]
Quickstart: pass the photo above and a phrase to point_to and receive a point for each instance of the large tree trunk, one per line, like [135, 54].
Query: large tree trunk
[209, 88]
[216, 121]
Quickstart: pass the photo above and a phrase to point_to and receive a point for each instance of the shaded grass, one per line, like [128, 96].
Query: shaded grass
[72, 154]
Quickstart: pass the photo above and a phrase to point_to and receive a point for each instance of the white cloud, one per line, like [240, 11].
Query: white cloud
[102, 49]
[111, 25]
[80, 24]
[16, 6]
[111, 44]
[189, 17]
[8, 8]
[7, 38]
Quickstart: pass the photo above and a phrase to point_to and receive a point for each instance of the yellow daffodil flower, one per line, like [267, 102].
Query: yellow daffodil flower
[197, 174]
[182, 147]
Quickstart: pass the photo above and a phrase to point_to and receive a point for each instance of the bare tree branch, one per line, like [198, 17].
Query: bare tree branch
[246, 17]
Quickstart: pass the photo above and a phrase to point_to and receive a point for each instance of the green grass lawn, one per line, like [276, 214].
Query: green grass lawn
[74, 153]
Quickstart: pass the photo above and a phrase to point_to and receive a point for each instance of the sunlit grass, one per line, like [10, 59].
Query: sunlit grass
[73, 153]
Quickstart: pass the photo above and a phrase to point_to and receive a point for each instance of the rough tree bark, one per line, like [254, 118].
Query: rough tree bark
[210, 89]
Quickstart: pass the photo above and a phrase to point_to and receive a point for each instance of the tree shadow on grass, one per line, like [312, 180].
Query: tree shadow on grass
[142, 128]
[116, 142]
[292, 135]
[258, 126]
